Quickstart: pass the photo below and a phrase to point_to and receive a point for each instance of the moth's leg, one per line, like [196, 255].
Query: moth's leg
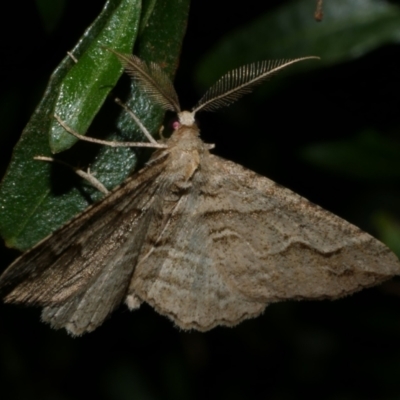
[133, 302]
[153, 144]
[160, 132]
[85, 175]
[115, 144]
[137, 120]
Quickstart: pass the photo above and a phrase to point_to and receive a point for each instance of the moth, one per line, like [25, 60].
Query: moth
[201, 239]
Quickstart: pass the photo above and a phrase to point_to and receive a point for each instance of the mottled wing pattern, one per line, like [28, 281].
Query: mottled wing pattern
[272, 244]
[176, 273]
[82, 272]
[214, 251]
[249, 242]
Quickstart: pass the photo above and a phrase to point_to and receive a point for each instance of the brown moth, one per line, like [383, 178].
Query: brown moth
[203, 240]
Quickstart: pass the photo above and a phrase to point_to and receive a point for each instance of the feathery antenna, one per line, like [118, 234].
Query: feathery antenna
[233, 85]
[240, 81]
[152, 80]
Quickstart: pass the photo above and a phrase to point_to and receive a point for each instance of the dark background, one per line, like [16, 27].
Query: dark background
[347, 349]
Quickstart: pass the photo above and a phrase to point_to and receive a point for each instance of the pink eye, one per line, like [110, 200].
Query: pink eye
[176, 125]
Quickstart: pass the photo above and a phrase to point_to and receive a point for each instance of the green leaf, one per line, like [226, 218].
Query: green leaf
[87, 83]
[37, 197]
[349, 30]
[368, 155]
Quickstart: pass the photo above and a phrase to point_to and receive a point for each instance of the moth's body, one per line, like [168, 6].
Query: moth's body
[186, 152]
[203, 240]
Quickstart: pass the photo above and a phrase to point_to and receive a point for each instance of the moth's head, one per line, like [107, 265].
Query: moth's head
[185, 118]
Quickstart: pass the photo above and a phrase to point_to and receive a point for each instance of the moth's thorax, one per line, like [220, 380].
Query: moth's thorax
[186, 150]
[186, 137]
